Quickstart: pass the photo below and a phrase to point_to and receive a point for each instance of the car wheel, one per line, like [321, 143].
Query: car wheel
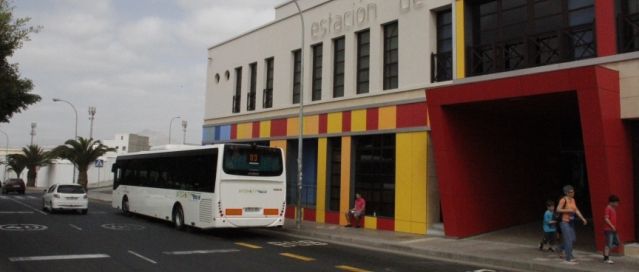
[84, 211]
[44, 207]
[178, 218]
[22, 192]
[125, 206]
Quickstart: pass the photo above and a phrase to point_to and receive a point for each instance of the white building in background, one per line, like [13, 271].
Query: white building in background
[128, 143]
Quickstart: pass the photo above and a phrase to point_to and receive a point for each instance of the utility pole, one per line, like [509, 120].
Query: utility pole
[33, 132]
[91, 118]
[184, 125]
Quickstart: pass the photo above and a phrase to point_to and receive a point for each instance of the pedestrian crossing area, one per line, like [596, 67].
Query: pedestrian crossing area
[18, 197]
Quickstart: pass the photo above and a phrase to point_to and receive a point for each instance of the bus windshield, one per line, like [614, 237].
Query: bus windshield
[247, 160]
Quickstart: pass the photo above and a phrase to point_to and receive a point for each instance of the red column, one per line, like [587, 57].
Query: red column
[605, 29]
[608, 153]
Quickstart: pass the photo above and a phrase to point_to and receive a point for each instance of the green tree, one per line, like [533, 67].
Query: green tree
[15, 91]
[16, 163]
[35, 157]
[82, 152]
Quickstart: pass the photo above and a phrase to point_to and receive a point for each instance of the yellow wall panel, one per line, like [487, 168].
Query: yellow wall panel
[387, 117]
[265, 129]
[292, 126]
[370, 222]
[358, 120]
[311, 125]
[320, 201]
[281, 144]
[411, 182]
[460, 44]
[345, 179]
[334, 122]
[244, 131]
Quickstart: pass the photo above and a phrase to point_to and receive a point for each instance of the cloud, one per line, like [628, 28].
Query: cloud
[139, 62]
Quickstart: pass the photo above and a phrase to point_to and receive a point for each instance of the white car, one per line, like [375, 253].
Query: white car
[65, 197]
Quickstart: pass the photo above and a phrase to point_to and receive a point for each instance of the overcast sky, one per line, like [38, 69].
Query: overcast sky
[139, 62]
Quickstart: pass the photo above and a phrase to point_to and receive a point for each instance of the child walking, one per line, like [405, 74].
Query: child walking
[550, 227]
[610, 228]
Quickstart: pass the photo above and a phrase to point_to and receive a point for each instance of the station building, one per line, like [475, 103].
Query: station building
[464, 113]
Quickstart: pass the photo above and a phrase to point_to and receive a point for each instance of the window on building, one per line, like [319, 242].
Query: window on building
[238, 90]
[334, 173]
[628, 18]
[441, 63]
[339, 45]
[268, 92]
[375, 173]
[514, 34]
[317, 72]
[250, 102]
[391, 56]
[297, 75]
[124, 148]
[363, 61]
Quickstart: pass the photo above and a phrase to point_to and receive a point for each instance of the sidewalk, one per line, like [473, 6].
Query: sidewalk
[472, 251]
[513, 256]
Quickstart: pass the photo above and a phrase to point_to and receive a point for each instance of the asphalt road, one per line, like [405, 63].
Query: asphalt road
[105, 240]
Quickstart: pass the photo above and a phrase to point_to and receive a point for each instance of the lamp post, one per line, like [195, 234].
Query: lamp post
[33, 132]
[171, 126]
[6, 155]
[184, 125]
[300, 138]
[76, 127]
[91, 118]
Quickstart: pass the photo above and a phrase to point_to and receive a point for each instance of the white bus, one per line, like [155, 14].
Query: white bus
[218, 186]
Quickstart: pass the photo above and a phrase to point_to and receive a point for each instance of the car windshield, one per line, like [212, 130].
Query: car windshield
[70, 189]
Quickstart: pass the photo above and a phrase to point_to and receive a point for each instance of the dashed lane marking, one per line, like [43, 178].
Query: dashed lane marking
[75, 227]
[58, 257]
[15, 212]
[351, 269]
[28, 206]
[20, 197]
[192, 252]
[31, 197]
[297, 257]
[249, 245]
[4, 197]
[142, 257]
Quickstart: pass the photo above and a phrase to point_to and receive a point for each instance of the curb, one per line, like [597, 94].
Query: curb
[510, 264]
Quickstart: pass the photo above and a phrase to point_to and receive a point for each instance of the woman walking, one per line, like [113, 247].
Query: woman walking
[568, 209]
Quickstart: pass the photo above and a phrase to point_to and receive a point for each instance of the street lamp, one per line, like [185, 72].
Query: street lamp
[300, 138]
[184, 124]
[6, 155]
[91, 118]
[171, 126]
[76, 127]
[33, 133]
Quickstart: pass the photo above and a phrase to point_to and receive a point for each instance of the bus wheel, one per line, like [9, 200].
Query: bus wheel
[178, 218]
[125, 206]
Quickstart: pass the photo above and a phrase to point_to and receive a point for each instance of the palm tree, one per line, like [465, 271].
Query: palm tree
[16, 163]
[82, 152]
[34, 157]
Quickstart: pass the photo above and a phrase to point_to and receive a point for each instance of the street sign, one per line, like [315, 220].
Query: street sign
[99, 163]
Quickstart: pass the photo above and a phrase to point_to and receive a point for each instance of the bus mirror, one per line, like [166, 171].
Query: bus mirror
[114, 167]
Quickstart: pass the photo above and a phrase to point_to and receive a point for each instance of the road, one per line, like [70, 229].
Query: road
[105, 240]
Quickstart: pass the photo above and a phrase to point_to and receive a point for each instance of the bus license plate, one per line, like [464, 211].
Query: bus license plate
[252, 209]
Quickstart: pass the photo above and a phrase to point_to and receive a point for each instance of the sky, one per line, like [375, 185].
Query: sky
[139, 62]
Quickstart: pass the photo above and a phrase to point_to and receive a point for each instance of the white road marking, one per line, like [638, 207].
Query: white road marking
[200, 251]
[31, 197]
[28, 206]
[20, 197]
[58, 257]
[4, 197]
[75, 227]
[98, 212]
[15, 212]
[142, 257]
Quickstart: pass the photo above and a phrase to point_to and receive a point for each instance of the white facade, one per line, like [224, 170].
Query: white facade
[128, 143]
[325, 20]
